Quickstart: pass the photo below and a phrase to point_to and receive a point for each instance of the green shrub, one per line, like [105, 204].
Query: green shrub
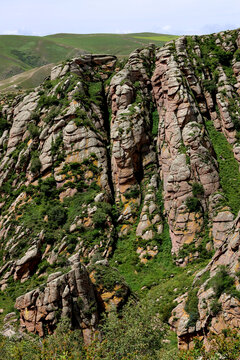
[215, 307]
[237, 55]
[183, 150]
[82, 118]
[36, 165]
[3, 125]
[100, 216]
[51, 115]
[35, 115]
[223, 346]
[222, 282]
[193, 204]
[166, 311]
[95, 90]
[64, 344]
[55, 146]
[47, 188]
[132, 193]
[50, 236]
[228, 167]
[210, 86]
[155, 121]
[47, 101]
[108, 277]
[57, 215]
[192, 307]
[143, 332]
[33, 130]
[197, 189]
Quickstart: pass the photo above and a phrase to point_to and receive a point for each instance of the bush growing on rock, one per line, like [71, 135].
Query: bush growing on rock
[225, 345]
[192, 307]
[3, 125]
[132, 193]
[47, 188]
[197, 189]
[222, 282]
[64, 344]
[46, 101]
[35, 164]
[57, 215]
[193, 204]
[101, 214]
[33, 130]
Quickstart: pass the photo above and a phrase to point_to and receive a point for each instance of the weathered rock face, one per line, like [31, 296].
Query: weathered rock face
[183, 144]
[102, 150]
[68, 295]
[217, 306]
[75, 295]
[130, 98]
[133, 159]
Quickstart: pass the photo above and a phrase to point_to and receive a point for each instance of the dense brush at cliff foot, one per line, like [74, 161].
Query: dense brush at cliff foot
[105, 162]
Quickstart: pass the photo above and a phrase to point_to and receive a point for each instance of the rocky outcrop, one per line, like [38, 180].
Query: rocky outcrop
[132, 149]
[103, 150]
[68, 295]
[86, 63]
[76, 295]
[150, 214]
[183, 144]
[217, 298]
[130, 122]
[26, 265]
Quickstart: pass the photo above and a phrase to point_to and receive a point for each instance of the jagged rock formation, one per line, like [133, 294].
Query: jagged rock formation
[183, 144]
[132, 150]
[72, 294]
[104, 150]
[217, 308]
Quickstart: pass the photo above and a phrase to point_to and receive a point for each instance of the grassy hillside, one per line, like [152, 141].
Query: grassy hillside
[116, 44]
[23, 53]
[27, 79]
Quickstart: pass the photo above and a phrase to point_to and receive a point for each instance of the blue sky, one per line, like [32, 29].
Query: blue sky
[42, 17]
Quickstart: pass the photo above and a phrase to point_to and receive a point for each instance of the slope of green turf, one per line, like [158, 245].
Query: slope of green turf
[20, 53]
[116, 44]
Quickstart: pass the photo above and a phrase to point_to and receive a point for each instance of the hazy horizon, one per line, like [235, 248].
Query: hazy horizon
[77, 17]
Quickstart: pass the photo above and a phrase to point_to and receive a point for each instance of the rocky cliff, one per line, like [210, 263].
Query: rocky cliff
[103, 152]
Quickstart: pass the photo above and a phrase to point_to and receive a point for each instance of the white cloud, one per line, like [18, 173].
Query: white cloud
[166, 27]
[127, 31]
[11, 32]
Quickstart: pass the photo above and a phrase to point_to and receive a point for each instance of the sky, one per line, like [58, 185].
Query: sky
[43, 17]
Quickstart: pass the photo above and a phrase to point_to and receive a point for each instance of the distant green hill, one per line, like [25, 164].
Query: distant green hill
[116, 44]
[23, 53]
[27, 79]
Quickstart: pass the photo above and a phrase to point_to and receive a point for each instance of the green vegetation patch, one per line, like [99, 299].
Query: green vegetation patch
[228, 167]
[116, 44]
[158, 38]
[155, 121]
[192, 307]
[4, 125]
[193, 204]
[225, 345]
[20, 53]
[222, 282]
